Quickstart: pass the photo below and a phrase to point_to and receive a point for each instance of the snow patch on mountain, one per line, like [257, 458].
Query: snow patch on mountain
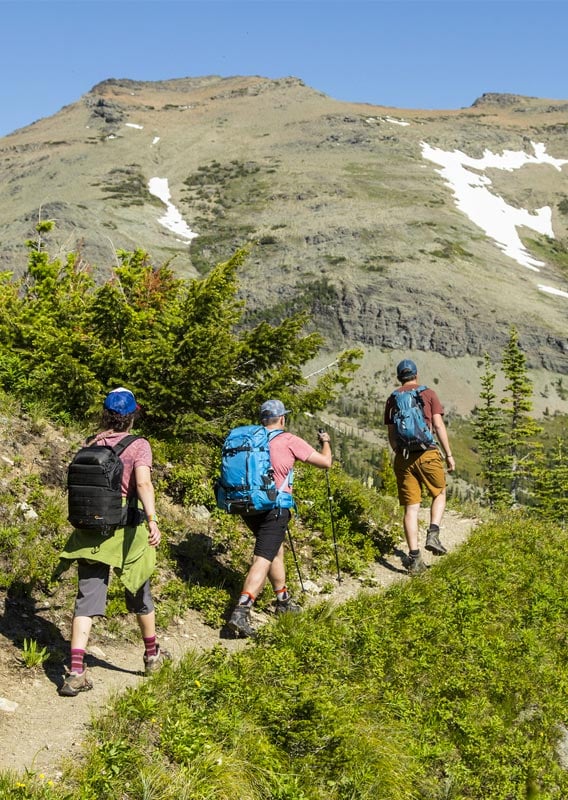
[394, 121]
[489, 211]
[172, 219]
[552, 290]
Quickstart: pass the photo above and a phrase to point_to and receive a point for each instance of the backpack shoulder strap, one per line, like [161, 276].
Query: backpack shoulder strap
[124, 443]
[290, 476]
[418, 394]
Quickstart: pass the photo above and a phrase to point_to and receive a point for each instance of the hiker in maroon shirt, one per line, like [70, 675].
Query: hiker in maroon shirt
[420, 469]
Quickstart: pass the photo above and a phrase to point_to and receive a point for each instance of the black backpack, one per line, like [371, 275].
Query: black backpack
[94, 488]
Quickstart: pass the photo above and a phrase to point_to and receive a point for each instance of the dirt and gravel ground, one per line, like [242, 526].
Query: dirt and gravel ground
[39, 729]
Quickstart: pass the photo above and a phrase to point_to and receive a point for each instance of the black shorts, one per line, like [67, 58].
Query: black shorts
[269, 530]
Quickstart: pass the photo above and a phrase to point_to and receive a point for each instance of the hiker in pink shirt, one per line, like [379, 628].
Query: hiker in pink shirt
[130, 549]
[269, 528]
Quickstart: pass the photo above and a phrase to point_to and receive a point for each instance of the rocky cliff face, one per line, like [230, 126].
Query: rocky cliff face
[389, 225]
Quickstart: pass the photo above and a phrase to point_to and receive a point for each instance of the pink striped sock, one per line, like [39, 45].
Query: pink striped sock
[150, 645]
[77, 659]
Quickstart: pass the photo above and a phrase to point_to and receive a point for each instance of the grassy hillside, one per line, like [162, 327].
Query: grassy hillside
[451, 686]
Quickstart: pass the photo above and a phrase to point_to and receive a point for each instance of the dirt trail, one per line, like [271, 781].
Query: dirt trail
[44, 728]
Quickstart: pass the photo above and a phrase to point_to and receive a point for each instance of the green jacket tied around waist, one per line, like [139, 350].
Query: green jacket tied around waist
[127, 551]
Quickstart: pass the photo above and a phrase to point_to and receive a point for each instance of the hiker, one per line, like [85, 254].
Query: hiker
[420, 468]
[269, 528]
[129, 550]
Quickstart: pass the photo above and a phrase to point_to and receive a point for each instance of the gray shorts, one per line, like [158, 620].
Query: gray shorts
[93, 587]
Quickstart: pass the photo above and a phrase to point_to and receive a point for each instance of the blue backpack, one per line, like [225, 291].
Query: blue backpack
[412, 432]
[246, 483]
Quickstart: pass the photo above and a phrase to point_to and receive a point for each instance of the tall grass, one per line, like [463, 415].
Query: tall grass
[452, 685]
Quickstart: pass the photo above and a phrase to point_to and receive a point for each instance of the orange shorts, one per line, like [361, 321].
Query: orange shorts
[422, 469]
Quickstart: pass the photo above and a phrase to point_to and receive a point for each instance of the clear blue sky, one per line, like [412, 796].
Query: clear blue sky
[401, 53]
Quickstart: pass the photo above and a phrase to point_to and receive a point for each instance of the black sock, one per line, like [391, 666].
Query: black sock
[414, 553]
[434, 529]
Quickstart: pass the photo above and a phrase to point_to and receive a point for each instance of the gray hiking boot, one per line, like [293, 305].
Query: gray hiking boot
[239, 622]
[155, 663]
[75, 682]
[284, 606]
[415, 565]
[433, 543]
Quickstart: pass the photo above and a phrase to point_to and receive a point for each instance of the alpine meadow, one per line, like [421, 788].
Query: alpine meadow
[211, 243]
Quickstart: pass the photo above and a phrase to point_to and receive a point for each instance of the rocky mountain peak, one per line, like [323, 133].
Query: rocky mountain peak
[385, 224]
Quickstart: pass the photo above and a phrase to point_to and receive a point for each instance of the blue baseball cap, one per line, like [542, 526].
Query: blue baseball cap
[121, 401]
[406, 369]
[272, 409]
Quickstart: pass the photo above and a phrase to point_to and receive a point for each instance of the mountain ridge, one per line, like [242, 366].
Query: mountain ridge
[348, 218]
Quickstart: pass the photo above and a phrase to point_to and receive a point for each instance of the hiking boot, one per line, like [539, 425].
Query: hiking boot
[433, 543]
[239, 622]
[415, 565]
[154, 663]
[284, 606]
[75, 682]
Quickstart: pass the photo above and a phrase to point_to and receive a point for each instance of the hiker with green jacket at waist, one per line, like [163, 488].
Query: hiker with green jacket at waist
[130, 550]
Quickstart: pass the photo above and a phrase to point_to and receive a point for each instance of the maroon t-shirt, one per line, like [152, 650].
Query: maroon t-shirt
[429, 397]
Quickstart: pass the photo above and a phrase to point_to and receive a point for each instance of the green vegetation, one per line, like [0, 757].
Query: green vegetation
[64, 341]
[516, 466]
[553, 251]
[562, 206]
[128, 185]
[451, 250]
[445, 687]
[32, 655]
[215, 195]
[310, 297]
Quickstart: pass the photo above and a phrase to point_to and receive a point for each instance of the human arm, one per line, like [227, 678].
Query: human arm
[442, 436]
[391, 428]
[391, 431]
[145, 493]
[324, 458]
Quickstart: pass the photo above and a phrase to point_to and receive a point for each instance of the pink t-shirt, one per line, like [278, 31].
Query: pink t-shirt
[285, 450]
[137, 454]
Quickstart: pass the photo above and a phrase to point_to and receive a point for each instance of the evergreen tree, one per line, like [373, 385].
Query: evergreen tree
[489, 433]
[521, 428]
[551, 484]
[180, 345]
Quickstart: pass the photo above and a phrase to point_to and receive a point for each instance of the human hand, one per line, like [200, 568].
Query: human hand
[154, 535]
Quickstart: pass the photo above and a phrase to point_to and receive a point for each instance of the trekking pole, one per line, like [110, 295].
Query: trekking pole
[296, 561]
[330, 499]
